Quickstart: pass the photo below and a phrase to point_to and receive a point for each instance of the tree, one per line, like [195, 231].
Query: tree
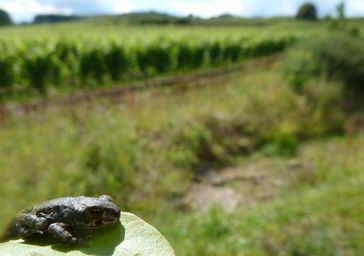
[307, 11]
[5, 18]
[340, 9]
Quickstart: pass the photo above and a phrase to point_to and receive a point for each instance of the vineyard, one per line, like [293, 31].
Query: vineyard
[45, 59]
[38, 65]
[230, 139]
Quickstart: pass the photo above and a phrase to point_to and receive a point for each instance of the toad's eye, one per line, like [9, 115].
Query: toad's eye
[95, 211]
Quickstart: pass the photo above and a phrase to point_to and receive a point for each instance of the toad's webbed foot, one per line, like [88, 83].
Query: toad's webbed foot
[59, 231]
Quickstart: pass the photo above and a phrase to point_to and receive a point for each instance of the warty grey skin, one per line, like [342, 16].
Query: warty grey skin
[65, 218]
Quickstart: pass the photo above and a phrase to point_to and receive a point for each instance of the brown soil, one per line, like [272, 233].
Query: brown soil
[245, 185]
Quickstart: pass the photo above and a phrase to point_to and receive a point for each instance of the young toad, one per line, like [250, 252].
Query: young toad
[65, 218]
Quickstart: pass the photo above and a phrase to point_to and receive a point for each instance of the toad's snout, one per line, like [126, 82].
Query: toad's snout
[110, 216]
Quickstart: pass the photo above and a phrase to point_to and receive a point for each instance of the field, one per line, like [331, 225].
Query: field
[258, 161]
[61, 61]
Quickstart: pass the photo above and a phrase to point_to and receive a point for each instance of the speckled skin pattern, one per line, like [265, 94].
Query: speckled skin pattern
[65, 218]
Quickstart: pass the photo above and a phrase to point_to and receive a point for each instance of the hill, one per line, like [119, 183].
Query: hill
[55, 18]
[158, 18]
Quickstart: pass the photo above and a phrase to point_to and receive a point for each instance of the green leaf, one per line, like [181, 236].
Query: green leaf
[131, 236]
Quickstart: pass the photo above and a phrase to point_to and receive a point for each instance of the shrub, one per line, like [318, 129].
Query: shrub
[40, 67]
[68, 53]
[7, 78]
[215, 53]
[185, 55]
[156, 58]
[257, 47]
[199, 55]
[117, 62]
[335, 56]
[283, 145]
[232, 50]
[92, 65]
[299, 68]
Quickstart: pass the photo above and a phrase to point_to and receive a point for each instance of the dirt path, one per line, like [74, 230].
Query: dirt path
[244, 186]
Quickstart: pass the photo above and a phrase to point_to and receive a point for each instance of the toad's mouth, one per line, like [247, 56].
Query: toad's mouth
[102, 223]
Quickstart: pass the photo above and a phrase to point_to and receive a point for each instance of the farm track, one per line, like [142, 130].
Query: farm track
[117, 92]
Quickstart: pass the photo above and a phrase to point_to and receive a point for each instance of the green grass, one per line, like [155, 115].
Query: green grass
[321, 215]
[145, 155]
[148, 150]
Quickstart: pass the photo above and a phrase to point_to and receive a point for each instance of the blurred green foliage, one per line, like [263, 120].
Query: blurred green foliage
[300, 67]
[5, 18]
[307, 11]
[283, 145]
[146, 156]
[8, 74]
[43, 64]
[337, 56]
[319, 215]
[110, 52]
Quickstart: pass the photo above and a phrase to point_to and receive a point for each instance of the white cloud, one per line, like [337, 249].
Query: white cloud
[355, 8]
[122, 7]
[207, 8]
[25, 10]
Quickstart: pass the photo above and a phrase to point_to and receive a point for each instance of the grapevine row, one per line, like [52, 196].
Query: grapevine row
[42, 65]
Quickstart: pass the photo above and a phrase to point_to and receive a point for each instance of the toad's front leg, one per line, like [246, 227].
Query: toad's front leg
[59, 231]
[29, 224]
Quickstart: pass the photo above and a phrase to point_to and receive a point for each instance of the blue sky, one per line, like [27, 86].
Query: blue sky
[24, 10]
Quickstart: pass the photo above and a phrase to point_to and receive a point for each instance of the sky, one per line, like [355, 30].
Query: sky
[25, 10]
